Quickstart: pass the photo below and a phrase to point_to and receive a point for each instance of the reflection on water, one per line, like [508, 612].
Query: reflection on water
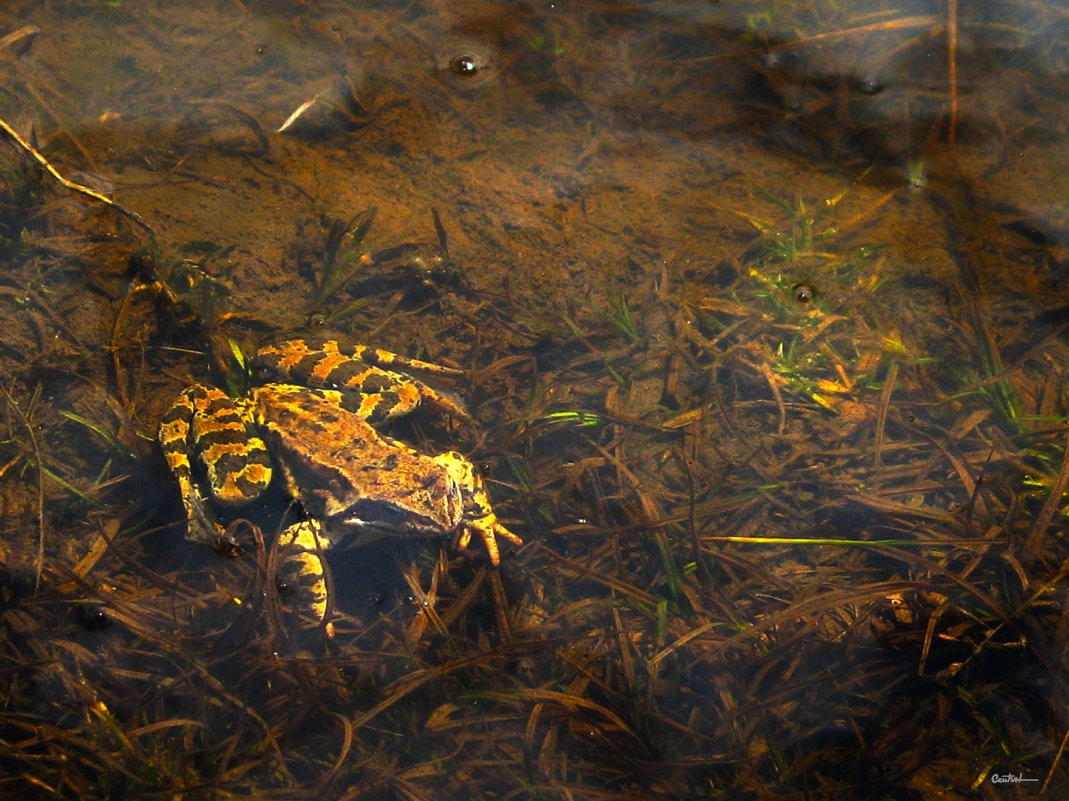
[762, 315]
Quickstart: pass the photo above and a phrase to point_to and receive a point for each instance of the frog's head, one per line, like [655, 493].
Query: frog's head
[431, 508]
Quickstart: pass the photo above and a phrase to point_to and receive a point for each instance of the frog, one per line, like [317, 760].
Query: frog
[314, 421]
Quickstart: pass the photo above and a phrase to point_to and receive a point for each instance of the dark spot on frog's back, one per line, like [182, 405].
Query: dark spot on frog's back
[221, 436]
[386, 404]
[235, 463]
[269, 363]
[222, 408]
[358, 460]
[374, 382]
[346, 375]
[250, 486]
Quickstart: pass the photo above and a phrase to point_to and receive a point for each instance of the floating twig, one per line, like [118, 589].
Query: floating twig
[292, 118]
[15, 137]
[26, 34]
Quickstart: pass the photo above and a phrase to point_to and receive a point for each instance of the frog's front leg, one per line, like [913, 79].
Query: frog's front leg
[205, 425]
[478, 516]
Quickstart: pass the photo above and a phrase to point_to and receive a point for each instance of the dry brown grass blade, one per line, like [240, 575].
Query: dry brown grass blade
[115, 346]
[569, 702]
[408, 684]
[39, 560]
[952, 67]
[1053, 503]
[903, 23]
[575, 570]
[98, 549]
[774, 382]
[139, 568]
[343, 752]
[500, 604]
[1055, 762]
[805, 609]
[160, 725]
[46, 739]
[463, 601]
[426, 600]
[881, 415]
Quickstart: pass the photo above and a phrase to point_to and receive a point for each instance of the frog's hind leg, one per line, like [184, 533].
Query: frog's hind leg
[298, 355]
[234, 456]
[373, 393]
[175, 437]
[302, 568]
[206, 426]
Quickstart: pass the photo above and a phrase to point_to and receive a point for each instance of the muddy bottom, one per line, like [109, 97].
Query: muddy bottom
[758, 318]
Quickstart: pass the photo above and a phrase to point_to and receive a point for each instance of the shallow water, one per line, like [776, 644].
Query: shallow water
[762, 308]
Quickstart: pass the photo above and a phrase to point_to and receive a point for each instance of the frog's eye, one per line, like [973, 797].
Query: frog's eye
[378, 514]
[390, 515]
